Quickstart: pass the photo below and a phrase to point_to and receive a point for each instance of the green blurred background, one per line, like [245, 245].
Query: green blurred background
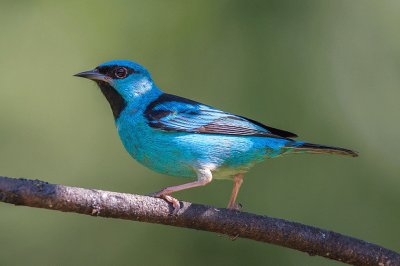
[326, 70]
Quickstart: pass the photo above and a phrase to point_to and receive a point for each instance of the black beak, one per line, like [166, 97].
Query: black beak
[93, 75]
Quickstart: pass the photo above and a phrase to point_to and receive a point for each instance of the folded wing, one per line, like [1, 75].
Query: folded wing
[174, 113]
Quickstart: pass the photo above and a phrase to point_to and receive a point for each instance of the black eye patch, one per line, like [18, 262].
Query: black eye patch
[112, 70]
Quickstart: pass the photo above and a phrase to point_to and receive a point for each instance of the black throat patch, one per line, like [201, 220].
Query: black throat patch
[117, 103]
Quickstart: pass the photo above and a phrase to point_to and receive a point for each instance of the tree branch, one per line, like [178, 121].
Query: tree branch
[314, 241]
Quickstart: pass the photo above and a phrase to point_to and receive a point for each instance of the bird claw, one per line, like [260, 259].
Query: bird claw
[168, 198]
[235, 206]
[175, 203]
[233, 238]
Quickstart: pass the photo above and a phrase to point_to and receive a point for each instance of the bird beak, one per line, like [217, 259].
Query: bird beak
[93, 75]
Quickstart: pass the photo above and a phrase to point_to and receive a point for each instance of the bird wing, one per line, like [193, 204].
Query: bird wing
[174, 113]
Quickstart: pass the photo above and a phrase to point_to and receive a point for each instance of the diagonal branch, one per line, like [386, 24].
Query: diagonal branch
[314, 241]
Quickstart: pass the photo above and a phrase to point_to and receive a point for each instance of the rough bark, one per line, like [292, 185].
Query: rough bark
[314, 241]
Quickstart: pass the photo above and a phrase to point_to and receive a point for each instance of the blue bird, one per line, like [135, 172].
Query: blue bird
[180, 137]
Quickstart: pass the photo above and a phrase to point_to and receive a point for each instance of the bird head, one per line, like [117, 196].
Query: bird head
[121, 81]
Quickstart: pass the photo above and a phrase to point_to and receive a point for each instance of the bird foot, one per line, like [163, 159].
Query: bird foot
[235, 206]
[168, 198]
[233, 238]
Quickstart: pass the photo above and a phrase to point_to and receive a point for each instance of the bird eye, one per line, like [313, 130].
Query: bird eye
[121, 72]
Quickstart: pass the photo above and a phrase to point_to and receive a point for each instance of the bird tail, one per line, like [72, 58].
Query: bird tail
[321, 149]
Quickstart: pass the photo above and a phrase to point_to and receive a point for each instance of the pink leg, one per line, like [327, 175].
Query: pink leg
[237, 182]
[203, 178]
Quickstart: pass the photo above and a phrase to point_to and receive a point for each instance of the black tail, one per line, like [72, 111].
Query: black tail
[322, 149]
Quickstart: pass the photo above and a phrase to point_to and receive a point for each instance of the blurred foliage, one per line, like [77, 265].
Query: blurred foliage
[327, 70]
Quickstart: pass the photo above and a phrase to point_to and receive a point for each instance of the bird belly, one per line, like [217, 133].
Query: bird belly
[180, 153]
